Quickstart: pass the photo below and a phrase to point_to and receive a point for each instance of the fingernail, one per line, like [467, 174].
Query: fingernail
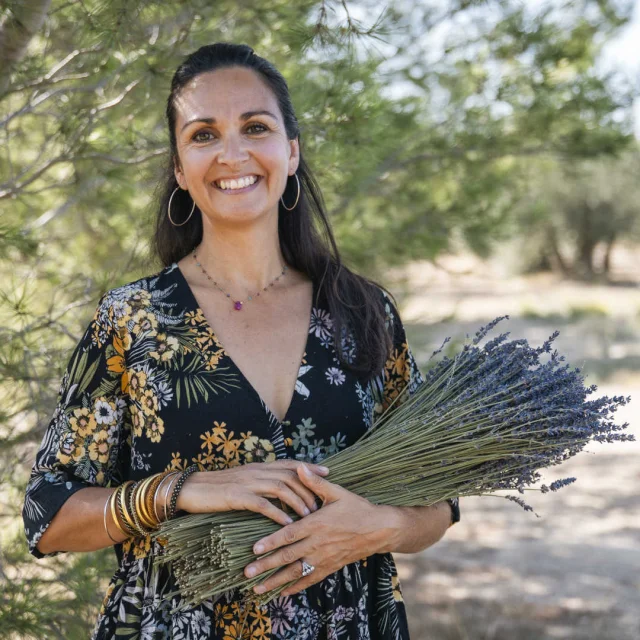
[306, 511]
[306, 470]
[251, 571]
[324, 469]
[259, 548]
[314, 507]
[288, 520]
[260, 588]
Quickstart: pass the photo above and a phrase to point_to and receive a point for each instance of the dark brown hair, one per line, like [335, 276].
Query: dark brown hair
[354, 302]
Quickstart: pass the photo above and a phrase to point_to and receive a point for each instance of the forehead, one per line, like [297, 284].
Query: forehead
[224, 94]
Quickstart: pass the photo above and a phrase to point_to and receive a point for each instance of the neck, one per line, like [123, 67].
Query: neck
[241, 260]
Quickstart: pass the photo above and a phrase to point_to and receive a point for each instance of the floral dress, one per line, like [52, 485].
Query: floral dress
[150, 388]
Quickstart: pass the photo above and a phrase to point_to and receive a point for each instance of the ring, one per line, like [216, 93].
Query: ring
[307, 568]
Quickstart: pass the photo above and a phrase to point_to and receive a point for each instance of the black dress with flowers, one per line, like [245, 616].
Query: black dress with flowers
[148, 388]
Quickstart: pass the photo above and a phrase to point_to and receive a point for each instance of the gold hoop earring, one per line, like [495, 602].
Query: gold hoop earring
[296, 202]
[169, 211]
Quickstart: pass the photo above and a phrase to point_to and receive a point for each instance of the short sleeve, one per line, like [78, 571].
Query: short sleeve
[400, 370]
[83, 441]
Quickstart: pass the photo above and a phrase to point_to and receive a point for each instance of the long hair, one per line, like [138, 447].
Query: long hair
[355, 302]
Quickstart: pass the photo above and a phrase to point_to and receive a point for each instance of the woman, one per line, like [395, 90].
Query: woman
[252, 351]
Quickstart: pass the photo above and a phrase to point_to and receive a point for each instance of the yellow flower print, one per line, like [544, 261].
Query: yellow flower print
[116, 364]
[140, 298]
[258, 450]
[137, 381]
[99, 447]
[195, 318]
[177, 463]
[83, 422]
[228, 445]
[122, 311]
[260, 615]
[212, 361]
[141, 547]
[144, 322]
[166, 347]
[107, 596]
[149, 402]
[137, 421]
[233, 631]
[222, 613]
[396, 588]
[155, 429]
[398, 364]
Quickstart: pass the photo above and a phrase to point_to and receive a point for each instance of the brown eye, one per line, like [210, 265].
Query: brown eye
[257, 124]
[200, 133]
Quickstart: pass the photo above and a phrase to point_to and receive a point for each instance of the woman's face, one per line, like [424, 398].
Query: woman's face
[229, 126]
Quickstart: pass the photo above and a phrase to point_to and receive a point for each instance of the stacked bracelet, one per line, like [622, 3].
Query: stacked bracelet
[134, 506]
[177, 487]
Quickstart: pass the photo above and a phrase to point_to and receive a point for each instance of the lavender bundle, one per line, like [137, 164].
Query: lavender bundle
[484, 421]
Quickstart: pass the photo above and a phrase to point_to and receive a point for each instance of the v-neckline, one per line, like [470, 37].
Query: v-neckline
[196, 307]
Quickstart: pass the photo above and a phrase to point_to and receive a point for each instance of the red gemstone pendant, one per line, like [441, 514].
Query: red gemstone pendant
[237, 305]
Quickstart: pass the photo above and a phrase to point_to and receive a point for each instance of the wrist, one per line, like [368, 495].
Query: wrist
[395, 523]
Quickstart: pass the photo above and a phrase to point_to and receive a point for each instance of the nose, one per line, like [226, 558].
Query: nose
[233, 151]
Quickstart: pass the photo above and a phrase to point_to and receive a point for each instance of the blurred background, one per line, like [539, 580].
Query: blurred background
[478, 157]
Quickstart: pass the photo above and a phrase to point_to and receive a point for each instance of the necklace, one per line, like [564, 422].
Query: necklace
[237, 304]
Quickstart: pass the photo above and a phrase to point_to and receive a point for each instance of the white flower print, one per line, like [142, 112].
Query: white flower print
[282, 613]
[321, 323]
[334, 375]
[200, 624]
[104, 412]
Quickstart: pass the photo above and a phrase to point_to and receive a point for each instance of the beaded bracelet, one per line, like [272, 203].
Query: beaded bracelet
[168, 476]
[178, 486]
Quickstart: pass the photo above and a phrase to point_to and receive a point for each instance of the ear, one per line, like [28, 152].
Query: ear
[294, 157]
[177, 172]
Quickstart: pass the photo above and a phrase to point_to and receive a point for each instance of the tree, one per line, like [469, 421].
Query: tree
[82, 87]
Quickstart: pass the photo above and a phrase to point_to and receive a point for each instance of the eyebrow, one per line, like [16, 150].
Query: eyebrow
[244, 116]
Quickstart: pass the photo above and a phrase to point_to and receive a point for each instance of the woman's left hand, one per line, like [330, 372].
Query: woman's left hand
[347, 528]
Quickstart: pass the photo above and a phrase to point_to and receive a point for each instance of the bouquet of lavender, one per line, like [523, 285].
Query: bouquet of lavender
[486, 420]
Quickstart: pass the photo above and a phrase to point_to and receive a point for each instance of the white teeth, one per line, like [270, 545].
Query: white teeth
[237, 184]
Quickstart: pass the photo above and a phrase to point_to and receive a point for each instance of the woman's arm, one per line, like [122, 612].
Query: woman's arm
[79, 524]
[416, 528]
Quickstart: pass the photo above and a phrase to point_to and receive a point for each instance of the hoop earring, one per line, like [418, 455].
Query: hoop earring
[298, 196]
[169, 210]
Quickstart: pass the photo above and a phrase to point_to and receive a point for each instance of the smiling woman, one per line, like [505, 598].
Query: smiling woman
[174, 402]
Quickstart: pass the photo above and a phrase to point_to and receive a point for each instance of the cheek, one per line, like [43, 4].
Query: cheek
[196, 161]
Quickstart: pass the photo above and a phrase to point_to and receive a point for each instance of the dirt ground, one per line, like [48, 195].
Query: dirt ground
[502, 573]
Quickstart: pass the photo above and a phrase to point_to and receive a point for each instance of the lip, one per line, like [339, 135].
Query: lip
[236, 192]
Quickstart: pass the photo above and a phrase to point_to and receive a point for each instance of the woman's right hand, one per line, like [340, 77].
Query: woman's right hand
[248, 487]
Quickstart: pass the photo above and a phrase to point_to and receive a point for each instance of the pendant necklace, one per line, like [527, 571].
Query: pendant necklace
[237, 304]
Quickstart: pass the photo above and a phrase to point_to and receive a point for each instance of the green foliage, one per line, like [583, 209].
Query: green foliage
[417, 147]
[572, 211]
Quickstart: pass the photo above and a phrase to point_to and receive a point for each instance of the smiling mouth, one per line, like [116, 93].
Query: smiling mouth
[241, 190]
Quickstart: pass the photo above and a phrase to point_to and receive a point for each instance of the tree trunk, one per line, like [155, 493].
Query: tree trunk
[558, 263]
[606, 263]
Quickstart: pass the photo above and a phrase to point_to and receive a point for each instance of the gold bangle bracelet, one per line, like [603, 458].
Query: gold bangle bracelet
[149, 495]
[141, 511]
[133, 512]
[114, 514]
[169, 476]
[125, 509]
